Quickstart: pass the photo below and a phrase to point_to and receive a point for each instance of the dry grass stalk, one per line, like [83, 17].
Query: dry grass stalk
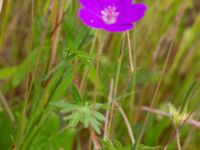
[58, 16]
[1, 5]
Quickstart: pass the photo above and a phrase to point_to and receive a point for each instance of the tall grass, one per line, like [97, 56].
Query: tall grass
[140, 88]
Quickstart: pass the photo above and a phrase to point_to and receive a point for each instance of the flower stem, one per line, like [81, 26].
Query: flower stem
[84, 78]
[130, 53]
[178, 140]
[97, 70]
[110, 99]
[116, 82]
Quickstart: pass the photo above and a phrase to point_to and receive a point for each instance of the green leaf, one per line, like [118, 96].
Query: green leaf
[188, 95]
[102, 106]
[99, 116]
[66, 106]
[71, 107]
[75, 94]
[75, 120]
[55, 69]
[70, 117]
[7, 131]
[27, 66]
[79, 112]
[51, 137]
[61, 104]
[95, 125]
[65, 82]
[86, 121]
[118, 145]
[6, 73]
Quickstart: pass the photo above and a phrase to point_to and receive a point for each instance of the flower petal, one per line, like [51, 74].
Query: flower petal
[120, 4]
[132, 14]
[118, 27]
[94, 5]
[90, 18]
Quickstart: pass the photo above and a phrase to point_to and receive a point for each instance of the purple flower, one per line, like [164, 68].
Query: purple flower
[111, 15]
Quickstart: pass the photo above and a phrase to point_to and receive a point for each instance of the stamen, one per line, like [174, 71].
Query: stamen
[110, 14]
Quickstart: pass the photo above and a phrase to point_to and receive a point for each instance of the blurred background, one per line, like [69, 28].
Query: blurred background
[36, 37]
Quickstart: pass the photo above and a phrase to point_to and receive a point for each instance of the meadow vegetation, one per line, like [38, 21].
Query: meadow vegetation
[65, 86]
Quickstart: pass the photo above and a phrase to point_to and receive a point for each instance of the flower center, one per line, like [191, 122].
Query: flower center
[109, 15]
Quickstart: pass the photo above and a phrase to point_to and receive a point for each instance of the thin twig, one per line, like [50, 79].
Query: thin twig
[130, 53]
[99, 51]
[122, 113]
[86, 70]
[95, 140]
[7, 108]
[1, 5]
[45, 22]
[178, 140]
[110, 99]
[55, 39]
[156, 111]
[116, 81]
[127, 123]
[194, 123]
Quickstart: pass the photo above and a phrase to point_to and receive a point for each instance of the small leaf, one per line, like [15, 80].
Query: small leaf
[61, 104]
[188, 95]
[6, 125]
[95, 125]
[79, 112]
[69, 117]
[173, 112]
[55, 69]
[65, 82]
[27, 66]
[86, 121]
[6, 73]
[118, 145]
[75, 94]
[66, 106]
[102, 106]
[75, 120]
[70, 108]
[99, 116]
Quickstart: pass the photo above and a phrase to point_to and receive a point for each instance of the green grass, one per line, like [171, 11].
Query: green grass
[42, 60]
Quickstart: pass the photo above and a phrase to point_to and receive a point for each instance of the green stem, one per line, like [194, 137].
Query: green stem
[116, 82]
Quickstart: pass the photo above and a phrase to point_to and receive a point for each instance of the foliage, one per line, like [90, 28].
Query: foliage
[45, 51]
[52, 137]
[81, 111]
